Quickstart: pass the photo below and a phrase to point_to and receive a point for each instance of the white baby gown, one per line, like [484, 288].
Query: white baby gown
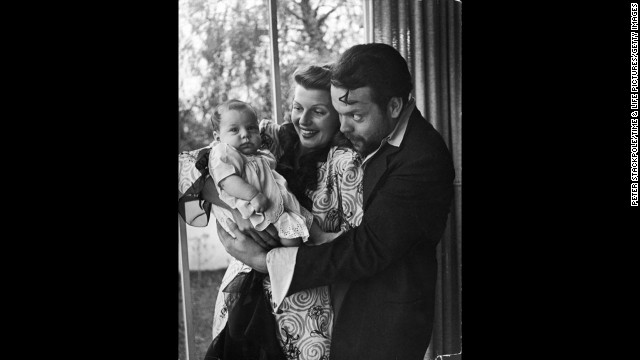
[284, 211]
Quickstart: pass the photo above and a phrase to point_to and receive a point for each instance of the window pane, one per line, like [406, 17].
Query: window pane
[315, 32]
[224, 53]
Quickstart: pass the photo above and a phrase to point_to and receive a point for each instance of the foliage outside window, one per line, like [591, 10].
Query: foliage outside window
[224, 52]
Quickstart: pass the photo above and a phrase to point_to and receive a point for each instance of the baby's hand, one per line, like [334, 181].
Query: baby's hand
[260, 203]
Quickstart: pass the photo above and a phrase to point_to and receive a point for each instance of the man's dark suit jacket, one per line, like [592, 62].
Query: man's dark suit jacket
[390, 259]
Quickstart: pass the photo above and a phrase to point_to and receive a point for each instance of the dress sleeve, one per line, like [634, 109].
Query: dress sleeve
[187, 171]
[349, 174]
[270, 140]
[224, 161]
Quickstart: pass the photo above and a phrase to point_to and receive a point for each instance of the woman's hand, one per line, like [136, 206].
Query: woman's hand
[325, 237]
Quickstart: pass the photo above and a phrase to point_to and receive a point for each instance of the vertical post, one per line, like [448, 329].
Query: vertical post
[186, 290]
[368, 20]
[403, 30]
[275, 61]
[430, 60]
[387, 22]
[418, 47]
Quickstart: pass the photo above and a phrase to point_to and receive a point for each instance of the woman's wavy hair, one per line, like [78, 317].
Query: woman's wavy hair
[304, 177]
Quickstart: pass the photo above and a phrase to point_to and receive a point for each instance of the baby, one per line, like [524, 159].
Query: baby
[246, 180]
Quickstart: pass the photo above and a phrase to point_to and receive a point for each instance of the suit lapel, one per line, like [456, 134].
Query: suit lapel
[374, 171]
[378, 165]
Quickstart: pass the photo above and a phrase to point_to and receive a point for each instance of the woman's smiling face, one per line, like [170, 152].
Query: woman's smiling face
[314, 118]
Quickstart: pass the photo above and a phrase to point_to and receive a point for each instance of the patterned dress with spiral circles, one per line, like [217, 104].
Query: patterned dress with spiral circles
[305, 319]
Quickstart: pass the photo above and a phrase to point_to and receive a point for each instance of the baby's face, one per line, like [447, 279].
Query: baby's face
[239, 130]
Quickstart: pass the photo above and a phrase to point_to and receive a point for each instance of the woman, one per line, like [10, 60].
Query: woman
[323, 172]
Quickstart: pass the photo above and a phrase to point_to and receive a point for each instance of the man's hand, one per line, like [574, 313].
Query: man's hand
[267, 239]
[243, 247]
[244, 225]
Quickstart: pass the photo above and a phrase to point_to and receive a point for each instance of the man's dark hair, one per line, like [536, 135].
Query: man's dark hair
[378, 66]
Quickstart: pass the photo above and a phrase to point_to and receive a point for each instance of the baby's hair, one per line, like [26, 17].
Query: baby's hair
[232, 104]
